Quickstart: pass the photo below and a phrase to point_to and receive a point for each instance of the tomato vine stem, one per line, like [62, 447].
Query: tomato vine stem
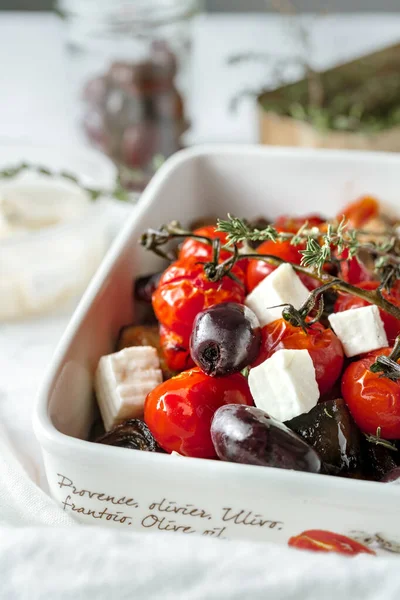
[154, 239]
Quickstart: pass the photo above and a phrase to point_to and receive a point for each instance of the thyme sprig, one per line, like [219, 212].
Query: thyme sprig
[216, 269]
[238, 231]
[379, 441]
[119, 192]
[320, 245]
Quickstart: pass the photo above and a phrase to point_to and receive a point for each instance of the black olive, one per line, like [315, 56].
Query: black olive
[248, 435]
[225, 339]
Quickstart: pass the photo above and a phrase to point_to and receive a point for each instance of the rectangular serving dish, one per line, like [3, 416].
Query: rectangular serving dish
[154, 492]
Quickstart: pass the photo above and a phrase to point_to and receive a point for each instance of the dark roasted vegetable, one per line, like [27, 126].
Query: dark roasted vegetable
[377, 460]
[392, 476]
[331, 431]
[258, 223]
[202, 222]
[138, 335]
[133, 434]
[145, 286]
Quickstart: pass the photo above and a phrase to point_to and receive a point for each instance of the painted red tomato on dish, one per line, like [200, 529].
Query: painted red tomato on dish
[322, 344]
[373, 400]
[179, 411]
[320, 540]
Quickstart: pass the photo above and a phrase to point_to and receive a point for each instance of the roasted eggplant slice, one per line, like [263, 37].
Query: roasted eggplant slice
[133, 434]
[331, 431]
[377, 460]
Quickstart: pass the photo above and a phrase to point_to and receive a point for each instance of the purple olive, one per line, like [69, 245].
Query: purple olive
[392, 476]
[245, 434]
[225, 339]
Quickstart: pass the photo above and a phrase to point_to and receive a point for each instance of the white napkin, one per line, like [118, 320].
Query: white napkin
[22, 502]
[70, 561]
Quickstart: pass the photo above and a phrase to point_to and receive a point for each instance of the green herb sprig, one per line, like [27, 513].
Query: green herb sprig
[118, 192]
[239, 231]
[379, 441]
[320, 245]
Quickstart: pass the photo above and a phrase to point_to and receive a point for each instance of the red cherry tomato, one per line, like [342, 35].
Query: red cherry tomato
[184, 291]
[202, 251]
[257, 270]
[175, 348]
[324, 348]
[192, 248]
[293, 224]
[352, 270]
[391, 324]
[327, 541]
[373, 400]
[179, 411]
[360, 212]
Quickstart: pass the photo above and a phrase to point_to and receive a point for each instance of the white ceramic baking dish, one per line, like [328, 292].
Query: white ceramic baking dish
[151, 492]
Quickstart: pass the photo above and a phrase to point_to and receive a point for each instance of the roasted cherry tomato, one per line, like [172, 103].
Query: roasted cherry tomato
[352, 270]
[293, 224]
[373, 400]
[361, 211]
[319, 540]
[182, 293]
[192, 248]
[322, 344]
[391, 324]
[196, 248]
[179, 411]
[175, 348]
[257, 270]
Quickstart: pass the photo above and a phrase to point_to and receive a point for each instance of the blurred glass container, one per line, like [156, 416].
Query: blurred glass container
[131, 64]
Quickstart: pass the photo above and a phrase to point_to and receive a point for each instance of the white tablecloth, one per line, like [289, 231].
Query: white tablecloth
[35, 106]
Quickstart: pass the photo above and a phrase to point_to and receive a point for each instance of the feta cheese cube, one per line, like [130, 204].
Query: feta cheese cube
[285, 385]
[280, 287]
[122, 382]
[359, 329]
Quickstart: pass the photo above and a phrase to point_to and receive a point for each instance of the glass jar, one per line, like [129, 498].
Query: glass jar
[131, 66]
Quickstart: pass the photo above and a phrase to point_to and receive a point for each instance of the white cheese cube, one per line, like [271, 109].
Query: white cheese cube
[282, 286]
[285, 385]
[122, 382]
[359, 329]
